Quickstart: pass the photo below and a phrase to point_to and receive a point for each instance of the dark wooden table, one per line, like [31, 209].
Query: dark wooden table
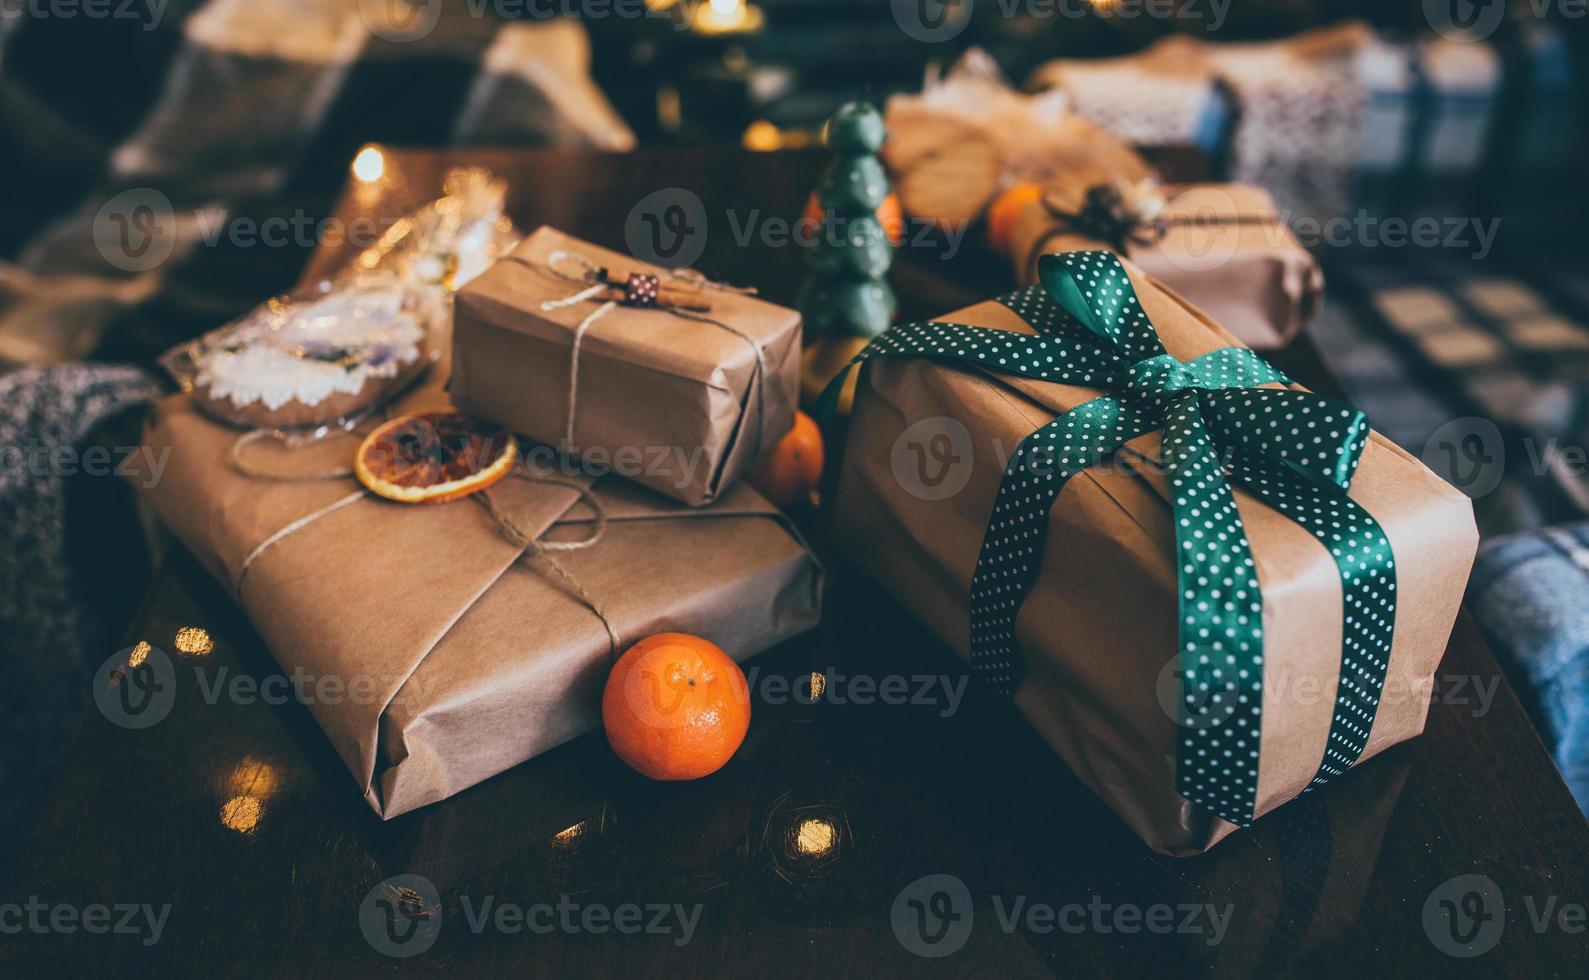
[804, 855]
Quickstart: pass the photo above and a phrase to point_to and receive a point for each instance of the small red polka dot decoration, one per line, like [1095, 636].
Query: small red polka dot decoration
[641, 289]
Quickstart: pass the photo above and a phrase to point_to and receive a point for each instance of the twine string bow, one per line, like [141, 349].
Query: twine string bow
[534, 547]
[539, 548]
[668, 291]
[1123, 216]
[1119, 217]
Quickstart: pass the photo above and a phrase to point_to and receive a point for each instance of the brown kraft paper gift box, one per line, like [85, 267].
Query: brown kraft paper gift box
[457, 655]
[1098, 630]
[1225, 247]
[671, 402]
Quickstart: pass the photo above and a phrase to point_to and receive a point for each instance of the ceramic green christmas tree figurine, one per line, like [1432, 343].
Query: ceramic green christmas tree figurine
[847, 293]
[846, 300]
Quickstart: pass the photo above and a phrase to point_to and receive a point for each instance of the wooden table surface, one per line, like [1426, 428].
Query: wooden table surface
[240, 830]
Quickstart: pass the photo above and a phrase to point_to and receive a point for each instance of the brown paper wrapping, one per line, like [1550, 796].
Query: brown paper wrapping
[1225, 247]
[681, 399]
[1098, 630]
[950, 162]
[458, 656]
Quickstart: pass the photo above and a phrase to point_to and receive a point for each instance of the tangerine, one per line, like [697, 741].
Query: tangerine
[675, 707]
[889, 214]
[793, 468]
[1004, 212]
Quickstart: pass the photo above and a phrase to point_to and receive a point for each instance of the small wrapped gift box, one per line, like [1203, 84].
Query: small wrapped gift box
[1207, 589]
[661, 377]
[1165, 94]
[454, 651]
[955, 145]
[1225, 247]
[1289, 114]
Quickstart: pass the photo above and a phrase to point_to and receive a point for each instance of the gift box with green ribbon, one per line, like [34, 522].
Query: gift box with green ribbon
[1207, 588]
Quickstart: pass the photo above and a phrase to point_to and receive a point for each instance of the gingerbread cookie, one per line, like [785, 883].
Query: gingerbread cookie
[297, 363]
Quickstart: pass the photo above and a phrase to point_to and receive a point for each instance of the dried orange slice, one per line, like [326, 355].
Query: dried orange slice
[434, 457]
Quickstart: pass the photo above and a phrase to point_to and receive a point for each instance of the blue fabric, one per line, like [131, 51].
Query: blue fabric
[1530, 592]
[1216, 124]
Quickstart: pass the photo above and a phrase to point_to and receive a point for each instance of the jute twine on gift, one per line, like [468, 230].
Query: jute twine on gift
[236, 456]
[1123, 215]
[1118, 214]
[639, 290]
[535, 547]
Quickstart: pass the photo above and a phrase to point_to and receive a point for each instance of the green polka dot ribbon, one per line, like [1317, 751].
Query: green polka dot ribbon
[1293, 450]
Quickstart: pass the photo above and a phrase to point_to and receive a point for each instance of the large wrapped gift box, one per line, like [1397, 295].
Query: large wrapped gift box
[1225, 247]
[456, 655]
[1098, 669]
[682, 401]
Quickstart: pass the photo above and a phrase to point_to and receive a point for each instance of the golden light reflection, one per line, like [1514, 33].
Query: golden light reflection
[253, 777]
[369, 165]
[250, 783]
[819, 683]
[815, 837]
[569, 836]
[762, 137]
[241, 813]
[727, 17]
[194, 641]
[139, 654]
[670, 114]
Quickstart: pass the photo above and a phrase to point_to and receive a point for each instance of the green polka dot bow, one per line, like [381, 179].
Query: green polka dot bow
[1294, 450]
